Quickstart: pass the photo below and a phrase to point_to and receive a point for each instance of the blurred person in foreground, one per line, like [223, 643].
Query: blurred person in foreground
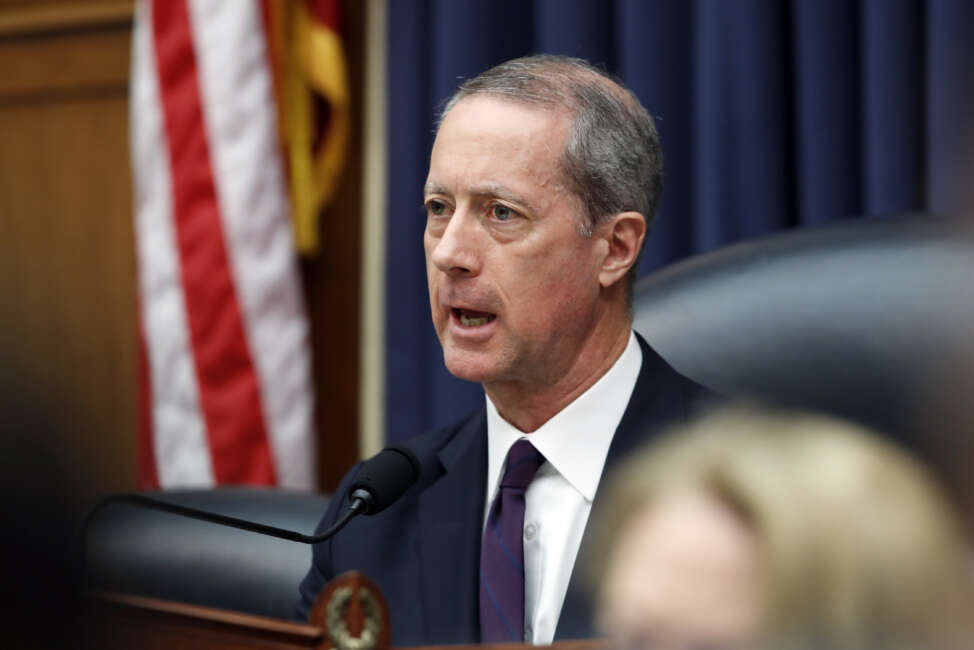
[783, 531]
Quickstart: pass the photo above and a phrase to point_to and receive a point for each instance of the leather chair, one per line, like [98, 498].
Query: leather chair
[871, 320]
[135, 550]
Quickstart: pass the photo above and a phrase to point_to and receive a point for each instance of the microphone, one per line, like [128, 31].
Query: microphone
[385, 477]
[382, 480]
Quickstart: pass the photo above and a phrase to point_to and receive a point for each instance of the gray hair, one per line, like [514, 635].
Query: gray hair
[613, 162]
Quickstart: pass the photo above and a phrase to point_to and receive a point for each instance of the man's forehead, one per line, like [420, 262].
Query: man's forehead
[500, 115]
[489, 147]
[497, 190]
[488, 190]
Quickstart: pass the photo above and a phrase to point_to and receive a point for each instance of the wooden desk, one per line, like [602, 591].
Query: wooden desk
[129, 622]
[126, 622]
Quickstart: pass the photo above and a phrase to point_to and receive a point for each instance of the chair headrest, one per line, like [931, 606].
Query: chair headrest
[870, 319]
[160, 555]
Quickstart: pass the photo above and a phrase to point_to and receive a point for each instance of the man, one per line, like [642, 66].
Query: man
[542, 178]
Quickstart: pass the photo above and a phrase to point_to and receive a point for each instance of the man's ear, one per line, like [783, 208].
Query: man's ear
[624, 233]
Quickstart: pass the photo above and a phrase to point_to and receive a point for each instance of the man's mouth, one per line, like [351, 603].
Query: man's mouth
[471, 318]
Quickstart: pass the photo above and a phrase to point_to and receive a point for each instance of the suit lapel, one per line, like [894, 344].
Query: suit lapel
[450, 514]
[576, 618]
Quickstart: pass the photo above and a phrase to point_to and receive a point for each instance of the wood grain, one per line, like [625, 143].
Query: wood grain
[68, 295]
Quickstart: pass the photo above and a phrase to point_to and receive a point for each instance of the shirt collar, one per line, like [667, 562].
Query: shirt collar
[576, 440]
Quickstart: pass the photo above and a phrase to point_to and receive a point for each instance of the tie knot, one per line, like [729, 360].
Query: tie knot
[523, 461]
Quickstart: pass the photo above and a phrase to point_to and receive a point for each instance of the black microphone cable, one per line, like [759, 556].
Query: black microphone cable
[382, 480]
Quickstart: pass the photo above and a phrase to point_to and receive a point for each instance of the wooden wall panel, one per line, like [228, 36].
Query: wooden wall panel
[68, 297]
[332, 287]
[55, 66]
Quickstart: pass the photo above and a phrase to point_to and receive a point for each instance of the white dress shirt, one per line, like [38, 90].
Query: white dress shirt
[574, 443]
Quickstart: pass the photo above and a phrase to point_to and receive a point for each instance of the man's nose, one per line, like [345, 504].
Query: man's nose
[458, 252]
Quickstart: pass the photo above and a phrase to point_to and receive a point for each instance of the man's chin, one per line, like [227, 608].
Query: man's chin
[464, 372]
[470, 367]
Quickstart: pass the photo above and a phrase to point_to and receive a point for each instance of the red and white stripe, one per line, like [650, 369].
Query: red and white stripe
[226, 345]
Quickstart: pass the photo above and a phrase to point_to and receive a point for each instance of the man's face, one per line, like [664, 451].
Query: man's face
[514, 286]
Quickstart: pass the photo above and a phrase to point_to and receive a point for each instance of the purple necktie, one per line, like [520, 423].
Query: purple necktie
[502, 551]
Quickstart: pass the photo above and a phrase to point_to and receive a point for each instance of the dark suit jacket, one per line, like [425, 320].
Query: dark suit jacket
[424, 550]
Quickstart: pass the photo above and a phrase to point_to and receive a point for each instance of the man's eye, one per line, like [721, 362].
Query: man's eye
[501, 212]
[436, 208]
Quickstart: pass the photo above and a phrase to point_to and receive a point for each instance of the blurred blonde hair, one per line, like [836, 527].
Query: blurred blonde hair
[861, 549]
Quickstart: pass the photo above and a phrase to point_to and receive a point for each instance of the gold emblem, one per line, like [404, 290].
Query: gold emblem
[337, 617]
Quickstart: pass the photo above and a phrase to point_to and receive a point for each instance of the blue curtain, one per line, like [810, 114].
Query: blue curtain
[772, 115]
